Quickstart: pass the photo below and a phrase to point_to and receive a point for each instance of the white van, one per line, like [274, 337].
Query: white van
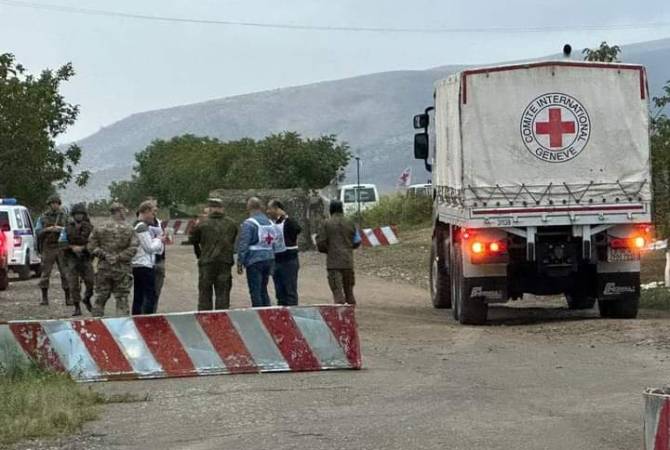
[20, 241]
[367, 194]
[420, 190]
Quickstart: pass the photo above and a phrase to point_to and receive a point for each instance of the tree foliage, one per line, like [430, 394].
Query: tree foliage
[184, 169]
[32, 114]
[604, 53]
[660, 159]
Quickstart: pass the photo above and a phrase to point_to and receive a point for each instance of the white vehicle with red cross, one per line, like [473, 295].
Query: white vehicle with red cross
[541, 185]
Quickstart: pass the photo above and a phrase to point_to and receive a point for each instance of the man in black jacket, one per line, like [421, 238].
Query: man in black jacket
[287, 264]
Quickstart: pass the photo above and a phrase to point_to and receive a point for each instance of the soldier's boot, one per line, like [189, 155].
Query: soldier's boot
[45, 297]
[68, 299]
[77, 310]
[87, 301]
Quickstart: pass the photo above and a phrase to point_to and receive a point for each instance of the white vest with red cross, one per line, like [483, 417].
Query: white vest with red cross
[267, 236]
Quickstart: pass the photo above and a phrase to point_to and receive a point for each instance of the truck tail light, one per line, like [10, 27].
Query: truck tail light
[633, 243]
[483, 250]
[18, 240]
[478, 248]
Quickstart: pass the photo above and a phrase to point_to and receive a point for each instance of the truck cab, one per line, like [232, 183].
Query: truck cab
[542, 185]
[19, 240]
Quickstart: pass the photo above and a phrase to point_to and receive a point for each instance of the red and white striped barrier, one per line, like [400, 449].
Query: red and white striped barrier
[379, 236]
[274, 339]
[656, 420]
[180, 226]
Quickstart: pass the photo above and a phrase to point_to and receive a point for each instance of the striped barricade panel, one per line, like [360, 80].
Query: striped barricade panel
[189, 344]
[656, 421]
[379, 236]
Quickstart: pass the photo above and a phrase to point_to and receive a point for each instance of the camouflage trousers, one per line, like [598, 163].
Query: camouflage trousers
[79, 269]
[51, 257]
[114, 282]
[214, 278]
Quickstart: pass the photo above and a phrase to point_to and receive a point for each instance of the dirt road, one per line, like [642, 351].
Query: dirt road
[534, 379]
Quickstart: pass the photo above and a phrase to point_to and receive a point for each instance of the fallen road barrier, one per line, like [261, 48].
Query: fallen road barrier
[657, 419]
[274, 339]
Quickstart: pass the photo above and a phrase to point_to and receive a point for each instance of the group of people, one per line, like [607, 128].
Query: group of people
[128, 257]
[133, 257]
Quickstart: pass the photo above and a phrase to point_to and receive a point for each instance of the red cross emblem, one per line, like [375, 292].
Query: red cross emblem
[269, 239]
[555, 128]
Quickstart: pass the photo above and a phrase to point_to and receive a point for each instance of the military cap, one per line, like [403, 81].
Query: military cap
[55, 198]
[79, 208]
[116, 206]
[215, 202]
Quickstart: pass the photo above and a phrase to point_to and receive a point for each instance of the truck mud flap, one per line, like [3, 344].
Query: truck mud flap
[492, 289]
[618, 286]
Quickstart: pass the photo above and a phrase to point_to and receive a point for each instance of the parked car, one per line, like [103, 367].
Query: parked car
[19, 242]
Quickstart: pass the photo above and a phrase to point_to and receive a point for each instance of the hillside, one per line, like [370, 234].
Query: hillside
[372, 112]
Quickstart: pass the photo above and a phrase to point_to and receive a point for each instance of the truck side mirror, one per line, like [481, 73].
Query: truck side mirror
[421, 146]
[421, 121]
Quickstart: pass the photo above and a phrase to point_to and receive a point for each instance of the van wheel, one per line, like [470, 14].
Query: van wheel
[4, 279]
[619, 309]
[467, 310]
[24, 270]
[440, 285]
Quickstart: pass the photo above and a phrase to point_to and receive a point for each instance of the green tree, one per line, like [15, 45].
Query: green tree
[604, 53]
[660, 159]
[184, 169]
[32, 114]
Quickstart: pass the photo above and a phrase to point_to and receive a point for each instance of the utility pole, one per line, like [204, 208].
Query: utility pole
[358, 187]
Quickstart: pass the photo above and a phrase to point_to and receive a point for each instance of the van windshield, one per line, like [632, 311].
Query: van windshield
[367, 195]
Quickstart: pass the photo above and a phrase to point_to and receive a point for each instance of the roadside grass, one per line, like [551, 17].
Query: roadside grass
[36, 403]
[408, 212]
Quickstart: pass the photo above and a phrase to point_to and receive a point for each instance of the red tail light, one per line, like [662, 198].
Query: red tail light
[633, 243]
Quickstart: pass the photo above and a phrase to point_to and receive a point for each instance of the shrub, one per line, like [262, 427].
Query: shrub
[399, 209]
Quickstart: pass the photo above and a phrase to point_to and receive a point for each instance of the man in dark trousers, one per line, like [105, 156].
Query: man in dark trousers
[287, 265]
[338, 238]
[73, 240]
[48, 229]
[213, 241]
[255, 252]
[144, 262]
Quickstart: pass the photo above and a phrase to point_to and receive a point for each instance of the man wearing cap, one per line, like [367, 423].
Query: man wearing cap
[48, 229]
[73, 240]
[213, 242]
[114, 244]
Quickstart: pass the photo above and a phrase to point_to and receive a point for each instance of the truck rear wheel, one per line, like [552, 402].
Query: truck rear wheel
[4, 279]
[440, 286]
[625, 308]
[579, 301]
[467, 310]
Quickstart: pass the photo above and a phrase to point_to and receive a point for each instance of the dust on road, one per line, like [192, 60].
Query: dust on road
[535, 378]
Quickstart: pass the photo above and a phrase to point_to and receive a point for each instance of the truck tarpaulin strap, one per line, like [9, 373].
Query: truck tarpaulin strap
[273, 339]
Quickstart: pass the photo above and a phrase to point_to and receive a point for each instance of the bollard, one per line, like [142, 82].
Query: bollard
[657, 419]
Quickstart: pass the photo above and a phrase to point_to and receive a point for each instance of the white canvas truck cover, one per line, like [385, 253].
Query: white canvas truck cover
[576, 130]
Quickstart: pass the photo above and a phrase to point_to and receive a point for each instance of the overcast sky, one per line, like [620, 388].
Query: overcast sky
[125, 65]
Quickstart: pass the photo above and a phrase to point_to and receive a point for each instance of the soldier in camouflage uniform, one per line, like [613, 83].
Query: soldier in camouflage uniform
[48, 229]
[114, 244]
[213, 241]
[73, 240]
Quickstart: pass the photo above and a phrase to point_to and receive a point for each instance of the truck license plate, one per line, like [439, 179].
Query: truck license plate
[621, 254]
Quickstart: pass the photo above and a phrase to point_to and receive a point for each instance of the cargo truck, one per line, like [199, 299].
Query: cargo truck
[541, 185]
